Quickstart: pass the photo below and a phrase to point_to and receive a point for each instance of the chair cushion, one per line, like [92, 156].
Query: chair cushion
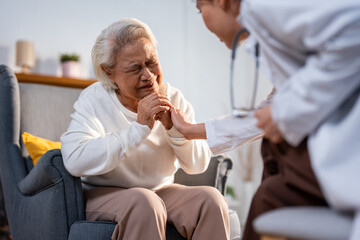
[305, 223]
[172, 233]
[88, 230]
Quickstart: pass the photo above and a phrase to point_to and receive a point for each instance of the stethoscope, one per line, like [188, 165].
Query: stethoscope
[243, 111]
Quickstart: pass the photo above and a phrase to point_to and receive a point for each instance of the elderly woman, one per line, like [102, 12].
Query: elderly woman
[121, 139]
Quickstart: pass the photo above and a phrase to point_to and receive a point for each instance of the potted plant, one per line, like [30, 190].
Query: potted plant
[70, 64]
[230, 192]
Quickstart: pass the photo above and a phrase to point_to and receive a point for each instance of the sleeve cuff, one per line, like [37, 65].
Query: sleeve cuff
[228, 132]
[209, 128]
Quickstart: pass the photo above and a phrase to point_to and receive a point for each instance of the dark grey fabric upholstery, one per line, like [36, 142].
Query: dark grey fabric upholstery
[45, 201]
[172, 233]
[41, 210]
[91, 230]
[103, 230]
[3, 218]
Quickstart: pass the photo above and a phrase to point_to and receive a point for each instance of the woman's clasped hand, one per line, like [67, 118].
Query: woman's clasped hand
[154, 107]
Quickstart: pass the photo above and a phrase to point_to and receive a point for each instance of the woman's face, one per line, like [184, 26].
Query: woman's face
[220, 17]
[137, 72]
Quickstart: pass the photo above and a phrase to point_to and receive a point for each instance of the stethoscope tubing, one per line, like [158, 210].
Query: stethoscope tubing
[243, 112]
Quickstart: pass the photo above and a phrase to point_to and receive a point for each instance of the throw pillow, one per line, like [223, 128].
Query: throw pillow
[37, 146]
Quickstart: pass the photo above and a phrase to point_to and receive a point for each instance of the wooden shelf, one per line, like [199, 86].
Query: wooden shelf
[53, 80]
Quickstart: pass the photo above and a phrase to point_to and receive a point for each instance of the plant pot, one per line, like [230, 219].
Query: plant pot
[70, 69]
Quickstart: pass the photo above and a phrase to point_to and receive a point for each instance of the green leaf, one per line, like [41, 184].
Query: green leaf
[230, 191]
[69, 57]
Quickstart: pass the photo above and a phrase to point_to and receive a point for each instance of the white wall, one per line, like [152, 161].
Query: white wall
[193, 59]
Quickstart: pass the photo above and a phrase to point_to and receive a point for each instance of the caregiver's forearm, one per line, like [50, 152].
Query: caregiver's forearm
[194, 131]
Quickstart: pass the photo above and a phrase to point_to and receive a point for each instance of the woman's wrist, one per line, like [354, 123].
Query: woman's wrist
[193, 131]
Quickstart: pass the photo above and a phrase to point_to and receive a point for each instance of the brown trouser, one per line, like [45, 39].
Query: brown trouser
[196, 212]
[288, 180]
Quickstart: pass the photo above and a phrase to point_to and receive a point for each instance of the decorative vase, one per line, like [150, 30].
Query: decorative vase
[70, 69]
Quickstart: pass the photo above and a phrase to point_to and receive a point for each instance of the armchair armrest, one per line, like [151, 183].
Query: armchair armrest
[42, 176]
[50, 172]
[215, 175]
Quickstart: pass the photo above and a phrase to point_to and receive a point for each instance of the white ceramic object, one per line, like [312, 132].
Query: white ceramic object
[70, 69]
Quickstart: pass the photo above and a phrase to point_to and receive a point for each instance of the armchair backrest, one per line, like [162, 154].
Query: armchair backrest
[39, 110]
[10, 128]
[45, 109]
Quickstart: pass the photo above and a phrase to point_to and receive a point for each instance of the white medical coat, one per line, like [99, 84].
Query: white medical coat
[312, 49]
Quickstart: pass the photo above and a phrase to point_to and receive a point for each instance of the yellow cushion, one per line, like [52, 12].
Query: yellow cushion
[37, 146]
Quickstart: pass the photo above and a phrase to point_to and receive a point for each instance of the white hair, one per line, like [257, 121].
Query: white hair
[111, 40]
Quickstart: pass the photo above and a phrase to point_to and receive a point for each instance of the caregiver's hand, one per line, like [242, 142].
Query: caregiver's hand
[179, 120]
[150, 106]
[185, 127]
[266, 123]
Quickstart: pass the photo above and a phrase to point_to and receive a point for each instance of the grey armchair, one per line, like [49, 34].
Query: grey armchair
[45, 201]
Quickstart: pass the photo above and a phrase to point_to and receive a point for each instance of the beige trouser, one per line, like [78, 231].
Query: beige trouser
[196, 212]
